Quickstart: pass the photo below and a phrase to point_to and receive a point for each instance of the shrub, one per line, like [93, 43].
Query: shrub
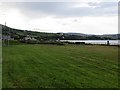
[78, 43]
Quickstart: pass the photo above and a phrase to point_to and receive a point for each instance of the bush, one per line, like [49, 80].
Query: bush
[60, 43]
[79, 43]
[71, 43]
[52, 42]
[12, 42]
[30, 41]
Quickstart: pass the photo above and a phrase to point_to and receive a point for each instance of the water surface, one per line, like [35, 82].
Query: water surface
[112, 42]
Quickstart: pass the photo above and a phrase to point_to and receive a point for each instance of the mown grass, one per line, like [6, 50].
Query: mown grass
[53, 66]
[0, 64]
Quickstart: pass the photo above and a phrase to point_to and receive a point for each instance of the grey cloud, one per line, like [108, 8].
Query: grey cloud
[64, 9]
[103, 4]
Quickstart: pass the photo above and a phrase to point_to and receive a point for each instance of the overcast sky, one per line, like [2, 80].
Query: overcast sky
[82, 17]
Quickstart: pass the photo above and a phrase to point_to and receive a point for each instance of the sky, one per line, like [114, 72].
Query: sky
[98, 17]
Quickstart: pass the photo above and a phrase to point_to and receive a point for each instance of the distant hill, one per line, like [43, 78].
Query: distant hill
[113, 36]
[104, 35]
[78, 34]
[107, 36]
[19, 34]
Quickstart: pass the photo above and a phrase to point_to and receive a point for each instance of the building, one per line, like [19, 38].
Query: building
[6, 37]
[29, 38]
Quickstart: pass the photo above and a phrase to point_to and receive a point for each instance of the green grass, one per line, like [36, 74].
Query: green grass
[0, 64]
[56, 66]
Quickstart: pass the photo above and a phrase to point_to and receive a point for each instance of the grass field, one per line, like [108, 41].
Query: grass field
[66, 66]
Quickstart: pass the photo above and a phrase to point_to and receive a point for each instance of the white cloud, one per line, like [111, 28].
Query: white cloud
[93, 24]
[58, 0]
[88, 25]
[13, 18]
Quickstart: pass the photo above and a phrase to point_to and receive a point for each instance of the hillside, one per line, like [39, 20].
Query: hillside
[18, 34]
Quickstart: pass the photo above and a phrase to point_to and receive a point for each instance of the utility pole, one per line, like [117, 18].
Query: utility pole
[8, 35]
[5, 23]
[5, 35]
